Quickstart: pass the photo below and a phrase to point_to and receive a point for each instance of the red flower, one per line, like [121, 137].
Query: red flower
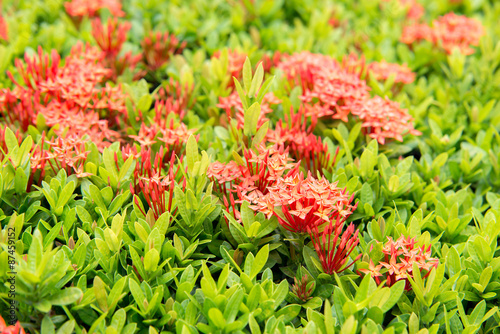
[324, 80]
[384, 119]
[334, 252]
[383, 70]
[156, 187]
[158, 48]
[417, 32]
[299, 288]
[71, 95]
[91, 8]
[302, 204]
[4, 33]
[400, 255]
[303, 145]
[15, 329]
[449, 32]
[110, 39]
[66, 153]
[456, 31]
[252, 180]
[235, 65]
[173, 98]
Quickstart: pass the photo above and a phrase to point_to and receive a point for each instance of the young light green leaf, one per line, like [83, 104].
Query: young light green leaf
[247, 74]
[257, 81]
[260, 261]
[251, 119]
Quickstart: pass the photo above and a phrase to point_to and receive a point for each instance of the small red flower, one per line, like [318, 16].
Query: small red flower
[299, 288]
[91, 8]
[159, 47]
[449, 32]
[383, 70]
[303, 145]
[400, 255]
[4, 32]
[324, 80]
[334, 246]
[384, 119]
[154, 184]
[302, 204]
[236, 60]
[14, 329]
[71, 96]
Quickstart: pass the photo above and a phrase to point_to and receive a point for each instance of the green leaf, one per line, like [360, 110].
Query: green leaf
[289, 312]
[241, 93]
[137, 293]
[67, 327]
[251, 119]
[263, 90]
[191, 152]
[233, 305]
[260, 261]
[396, 291]
[260, 135]
[47, 326]
[10, 140]
[151, 260]
[257, 81]
[64, 197]
[100, 294]
[253, 324]
[109, 162]
[247, 74]
[216, 317]
[20, 181]
[66, 296]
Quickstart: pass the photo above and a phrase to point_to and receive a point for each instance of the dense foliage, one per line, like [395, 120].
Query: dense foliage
[254, 166]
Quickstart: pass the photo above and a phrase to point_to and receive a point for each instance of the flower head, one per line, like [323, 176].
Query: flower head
[400, 256]
[91, 8]
[383, 70]
[15, 329]
[302, 204]
[384, 119]
[448, 32]
[159, 47]
[334, 246]
[324, 80]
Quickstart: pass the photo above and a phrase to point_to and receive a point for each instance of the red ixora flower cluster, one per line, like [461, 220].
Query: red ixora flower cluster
[383, 119]
[66, 153]
[91, 8]
[339, 89]
[150, 181]
[400, 255]
[4, 31]
[303, 204]
[164, 126]
[324, 80]
[158, 48]
[14, 329]
[253, 178]
[71, 95]
[449, 32]
[334, 245]
[302, 144]
[236, 60]
[110, 39]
